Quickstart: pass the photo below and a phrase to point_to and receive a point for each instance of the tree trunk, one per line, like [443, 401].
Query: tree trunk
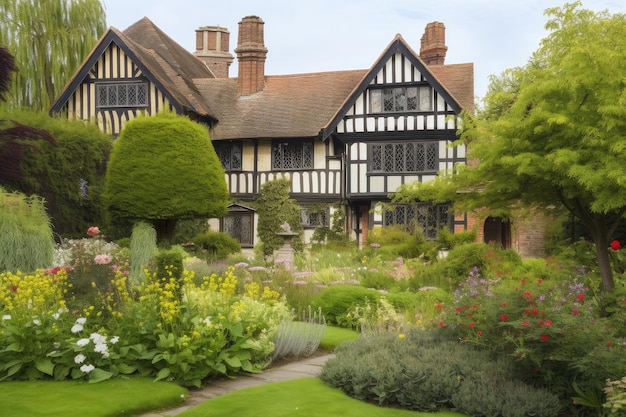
[602, 254]
[165, 230]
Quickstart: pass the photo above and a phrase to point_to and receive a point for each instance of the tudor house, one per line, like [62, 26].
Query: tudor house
[349, 137]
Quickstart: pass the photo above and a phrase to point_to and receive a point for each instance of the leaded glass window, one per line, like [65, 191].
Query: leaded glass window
[428, 218]
[404, 157]
[314, 218]
[239, 226]
[122, 94]
[292, 155]
[230, 154]
[401, 99]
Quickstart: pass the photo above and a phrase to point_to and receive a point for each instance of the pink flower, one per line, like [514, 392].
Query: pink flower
[93, 231]
[479, 333]
[102, 259]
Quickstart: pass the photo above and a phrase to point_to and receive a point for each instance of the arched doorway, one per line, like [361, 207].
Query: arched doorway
[497, 231]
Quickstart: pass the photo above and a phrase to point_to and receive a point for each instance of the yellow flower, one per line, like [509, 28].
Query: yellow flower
[401, 336]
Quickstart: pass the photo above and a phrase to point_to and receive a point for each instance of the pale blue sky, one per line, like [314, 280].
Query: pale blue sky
[329, 35]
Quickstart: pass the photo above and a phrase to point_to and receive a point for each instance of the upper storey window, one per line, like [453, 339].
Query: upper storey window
[401, 99]
[292, 155]
[122, 94]
[229, 154]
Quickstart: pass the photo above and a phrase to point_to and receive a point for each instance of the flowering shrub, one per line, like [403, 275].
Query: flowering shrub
[550, 329]
[167, 328]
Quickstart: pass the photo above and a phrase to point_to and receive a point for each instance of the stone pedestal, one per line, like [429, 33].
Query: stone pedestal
[286, 251]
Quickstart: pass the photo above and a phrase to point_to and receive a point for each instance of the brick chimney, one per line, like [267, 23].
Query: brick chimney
[212, 44]
[433, 49]
[251, 53]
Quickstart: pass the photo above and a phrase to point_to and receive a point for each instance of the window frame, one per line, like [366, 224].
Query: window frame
[308, 213]
[116, 85]
[409, 159]
[234, 149]
[279, 155]
[401, 99]
[441, 214]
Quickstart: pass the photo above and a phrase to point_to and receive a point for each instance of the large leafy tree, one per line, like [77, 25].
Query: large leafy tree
[49, 39]
[163, 168]
[553, 133]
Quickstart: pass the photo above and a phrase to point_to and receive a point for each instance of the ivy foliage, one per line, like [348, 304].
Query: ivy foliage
[164, 168]
[275, 207]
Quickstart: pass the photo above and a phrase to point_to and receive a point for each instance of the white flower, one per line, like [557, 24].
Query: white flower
[83, 342]
[6, 317]
[114, 340]
[77, 328]
[207, 320]
[102, 348]
[81, 320]
[87, 368]
[80, 358]
[37, 322]
[56, 345]
[97, 338]
[56, 316]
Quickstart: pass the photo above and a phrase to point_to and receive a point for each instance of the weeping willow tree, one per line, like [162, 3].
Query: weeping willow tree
[26, 239]
[49, 40]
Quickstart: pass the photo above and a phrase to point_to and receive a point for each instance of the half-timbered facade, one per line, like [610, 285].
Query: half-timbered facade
[347, 136]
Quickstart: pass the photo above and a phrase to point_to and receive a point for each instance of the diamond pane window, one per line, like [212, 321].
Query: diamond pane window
[229, 154]
[404, 157]
[400, 99]
[122, 95]
[292, 155]
[427, 218]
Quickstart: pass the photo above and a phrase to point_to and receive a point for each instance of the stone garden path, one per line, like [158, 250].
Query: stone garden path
[308, 367]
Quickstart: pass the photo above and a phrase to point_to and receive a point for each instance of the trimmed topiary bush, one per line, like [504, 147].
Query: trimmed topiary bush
[337, 301]
[215, 245]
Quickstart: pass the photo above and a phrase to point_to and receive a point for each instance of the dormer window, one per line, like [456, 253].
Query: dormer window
[124, 94]
[401, 99]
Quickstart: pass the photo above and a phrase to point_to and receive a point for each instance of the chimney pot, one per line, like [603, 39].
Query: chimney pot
[433, 49]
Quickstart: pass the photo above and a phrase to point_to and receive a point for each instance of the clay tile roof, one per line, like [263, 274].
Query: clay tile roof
[171, 63]
[458, 79]
[296, 105]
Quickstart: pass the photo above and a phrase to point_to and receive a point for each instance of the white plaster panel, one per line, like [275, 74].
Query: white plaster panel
[354, 178]
[358, 105]
[391, 125]
[410, 123]
[354, 152]
[393, 182]
[460, 151]
[334, 164]
[322, 186]
[388, 72]
[420, 122]
[341, 127]
[362, 178]
[377, 184]
[371, 124]
[427, 178]
[359, 125]
[337, 183]
[401, 125]
[381, 124]
[307, 181]
[441, 122]
[411, 178]
[441, 104]
[430, 122]
[362, 151]
[398, 74]
[443, 149]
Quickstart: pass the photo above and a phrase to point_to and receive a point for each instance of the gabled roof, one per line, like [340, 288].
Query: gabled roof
[455, 83]
[161, 59]
[296, 105]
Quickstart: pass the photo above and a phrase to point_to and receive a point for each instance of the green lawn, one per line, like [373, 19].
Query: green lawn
[115, 397]
[306, 397]
[333, 336]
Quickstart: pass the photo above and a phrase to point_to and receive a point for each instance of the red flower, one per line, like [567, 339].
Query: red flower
[615, 245]
[441, 324]
[503, 304]
[504, 317]
[439, 306]
[14, 288]
[479, 333]
[459, 309]
[580, 296]
[544, 338]
[523, 281]
[609, 343]
[548, 323]
[525, 323]
[471, 325]
[575, 312]
[539, 281]
[535, 312]
[540, 323]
